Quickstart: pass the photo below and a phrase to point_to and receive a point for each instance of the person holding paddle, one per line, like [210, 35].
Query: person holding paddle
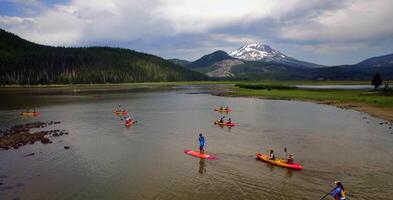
[338, 192]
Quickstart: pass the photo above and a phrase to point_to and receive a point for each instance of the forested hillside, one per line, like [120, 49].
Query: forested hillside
[23, 62]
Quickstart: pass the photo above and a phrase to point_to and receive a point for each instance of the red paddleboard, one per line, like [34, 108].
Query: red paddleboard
[198, 154]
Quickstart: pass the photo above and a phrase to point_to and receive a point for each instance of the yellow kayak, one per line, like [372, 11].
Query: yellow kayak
[29, 113]
[278, 162]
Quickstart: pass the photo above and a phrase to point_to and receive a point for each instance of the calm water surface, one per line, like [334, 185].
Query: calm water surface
[109, 161]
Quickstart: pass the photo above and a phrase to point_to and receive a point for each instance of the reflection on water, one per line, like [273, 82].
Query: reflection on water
[108, 161]
[202, 166]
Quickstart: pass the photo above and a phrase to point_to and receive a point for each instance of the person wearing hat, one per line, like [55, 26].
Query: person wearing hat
[201, 143]
[338, 192]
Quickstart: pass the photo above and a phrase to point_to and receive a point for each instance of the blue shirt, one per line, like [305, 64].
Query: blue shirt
[337, 192]
[201, 141]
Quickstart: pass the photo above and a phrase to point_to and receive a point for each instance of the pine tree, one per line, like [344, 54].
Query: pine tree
[377, 80]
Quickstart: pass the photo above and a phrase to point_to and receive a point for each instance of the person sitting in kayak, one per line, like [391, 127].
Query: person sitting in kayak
[128, 119]
[226, 108]
[271, 155]
[229, 121]
[290, 159]
[222, 120]
[338, 192]
[201, 143]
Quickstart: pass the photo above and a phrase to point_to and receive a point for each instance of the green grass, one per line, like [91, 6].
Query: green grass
[380, 99]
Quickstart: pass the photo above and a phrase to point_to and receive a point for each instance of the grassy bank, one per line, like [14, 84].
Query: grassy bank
[376, 103]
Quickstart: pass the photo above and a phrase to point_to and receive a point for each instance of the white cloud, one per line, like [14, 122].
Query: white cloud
[12, 21]
[314, 25]
[358, 21]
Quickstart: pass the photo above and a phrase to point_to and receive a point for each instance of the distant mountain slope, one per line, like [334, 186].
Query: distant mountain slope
[209, 59]
[180, 62]
[24, 62]
[379, 61]
[261, 62]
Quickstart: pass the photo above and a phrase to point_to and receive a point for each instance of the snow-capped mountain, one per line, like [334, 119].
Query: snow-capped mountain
[256, 52]
[262, 52]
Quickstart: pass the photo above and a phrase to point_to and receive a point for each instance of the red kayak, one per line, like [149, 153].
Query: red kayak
[129, 123]
[199, 155]
[229, 124]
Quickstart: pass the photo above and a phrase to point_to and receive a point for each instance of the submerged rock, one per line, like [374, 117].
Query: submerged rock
[19, 135]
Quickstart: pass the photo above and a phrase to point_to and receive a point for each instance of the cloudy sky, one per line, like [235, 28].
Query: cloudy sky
[325, 32]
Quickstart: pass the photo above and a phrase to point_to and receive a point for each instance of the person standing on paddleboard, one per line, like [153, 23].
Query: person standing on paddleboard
[201, 143]
[338, 192]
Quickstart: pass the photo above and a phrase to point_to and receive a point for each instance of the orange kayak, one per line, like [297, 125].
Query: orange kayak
[120, 112]
[278, 162]
[223, 110]
[198, 154]
[29, 113]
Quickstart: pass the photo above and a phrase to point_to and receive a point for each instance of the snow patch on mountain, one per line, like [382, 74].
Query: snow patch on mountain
[256, 52]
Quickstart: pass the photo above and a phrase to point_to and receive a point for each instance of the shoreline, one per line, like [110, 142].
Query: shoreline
[384, 113]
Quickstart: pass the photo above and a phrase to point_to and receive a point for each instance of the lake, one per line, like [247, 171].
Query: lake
[106, 160]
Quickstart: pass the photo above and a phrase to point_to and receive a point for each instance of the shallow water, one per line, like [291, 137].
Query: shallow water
[146, 161]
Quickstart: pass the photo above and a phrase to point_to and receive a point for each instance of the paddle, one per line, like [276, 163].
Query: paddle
[286, 153]
[327, 194]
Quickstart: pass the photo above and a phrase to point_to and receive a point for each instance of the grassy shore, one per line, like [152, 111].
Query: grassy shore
[376, 103]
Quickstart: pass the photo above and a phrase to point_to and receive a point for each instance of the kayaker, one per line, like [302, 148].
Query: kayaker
[229, 120]
[221, 108]
[222, 119]
[271, 155]
[290, 159]
[201, 143]
[338, 192]
[128, 119]
[227, 108]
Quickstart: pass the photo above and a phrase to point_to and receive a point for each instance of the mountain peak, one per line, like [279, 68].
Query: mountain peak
[210, 59]
[255, 52]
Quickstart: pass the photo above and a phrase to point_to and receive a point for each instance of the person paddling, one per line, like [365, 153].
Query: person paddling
[338, 192]
[271, 155]
[201, 143]
[229, 121]
[290, 159]
[222, 119]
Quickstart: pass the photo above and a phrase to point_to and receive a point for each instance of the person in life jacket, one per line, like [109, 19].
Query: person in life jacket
[271, 155]
[338, 192]
[222, 120]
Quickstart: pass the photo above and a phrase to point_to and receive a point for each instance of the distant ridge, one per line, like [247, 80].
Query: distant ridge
[24, 62]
